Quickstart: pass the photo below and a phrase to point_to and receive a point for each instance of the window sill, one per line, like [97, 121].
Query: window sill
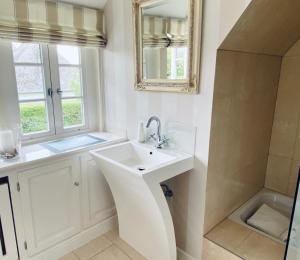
[34, 153]
[26, 141]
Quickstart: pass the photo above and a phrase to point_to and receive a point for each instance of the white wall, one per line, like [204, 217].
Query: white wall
[125, 106]
[9, 113]
[231, 10]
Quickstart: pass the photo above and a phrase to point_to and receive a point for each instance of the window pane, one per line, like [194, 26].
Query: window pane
[181, 62]
[70, 81]
[72, 112]
[26, 52]
[30, 82]
[169, 63]
[177, 63]
[68, 55]
[34, 117]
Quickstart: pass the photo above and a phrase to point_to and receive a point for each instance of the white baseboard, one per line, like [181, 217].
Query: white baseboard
[181, 255]
[84, 237]
[75, 242]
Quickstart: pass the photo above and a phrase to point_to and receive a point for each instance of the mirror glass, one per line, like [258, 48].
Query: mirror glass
[165, 40]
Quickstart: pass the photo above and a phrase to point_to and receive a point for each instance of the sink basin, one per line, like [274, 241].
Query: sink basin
[144, 160]
[134, 172]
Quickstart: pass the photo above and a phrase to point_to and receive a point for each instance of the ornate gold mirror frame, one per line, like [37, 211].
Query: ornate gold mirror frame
[191, 85]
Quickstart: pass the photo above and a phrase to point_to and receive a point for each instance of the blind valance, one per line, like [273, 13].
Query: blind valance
[164, 32]
[51, 22]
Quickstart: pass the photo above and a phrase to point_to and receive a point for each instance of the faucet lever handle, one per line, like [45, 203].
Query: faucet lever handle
[152, 136]
[163, 141]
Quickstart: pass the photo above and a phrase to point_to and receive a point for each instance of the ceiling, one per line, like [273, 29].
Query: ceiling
[88, 3]
[169, 8]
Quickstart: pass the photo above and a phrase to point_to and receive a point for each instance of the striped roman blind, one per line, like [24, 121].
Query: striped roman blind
[164, 32]
[51, 22]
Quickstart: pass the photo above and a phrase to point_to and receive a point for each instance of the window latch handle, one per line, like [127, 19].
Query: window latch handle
[59, 91]
[50, 92]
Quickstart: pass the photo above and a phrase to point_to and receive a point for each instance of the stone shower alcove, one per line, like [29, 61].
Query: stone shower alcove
[255, 134]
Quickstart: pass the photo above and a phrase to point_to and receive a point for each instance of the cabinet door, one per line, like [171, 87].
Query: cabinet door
[50, 203]
[8, 246]
[98, 203]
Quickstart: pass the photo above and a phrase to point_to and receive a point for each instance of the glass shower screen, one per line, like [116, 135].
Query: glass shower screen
[293, 244]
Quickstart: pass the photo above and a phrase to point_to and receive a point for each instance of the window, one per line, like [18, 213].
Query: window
[51, 89]
[71, 90]
[29, 70]
[165, 63]
[177, 63]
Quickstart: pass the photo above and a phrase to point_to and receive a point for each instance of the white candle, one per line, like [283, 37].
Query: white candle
[7, 143]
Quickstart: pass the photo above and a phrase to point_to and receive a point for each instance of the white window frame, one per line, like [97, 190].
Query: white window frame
[57, 99]
[47, 84]
[50, 69]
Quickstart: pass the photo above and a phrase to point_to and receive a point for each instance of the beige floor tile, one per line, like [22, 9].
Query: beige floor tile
[211, 251]
[258, 247]
[111, 253]
[70, 256]
[229, 234]
[112, 235]
[133, 254]
[93, 248]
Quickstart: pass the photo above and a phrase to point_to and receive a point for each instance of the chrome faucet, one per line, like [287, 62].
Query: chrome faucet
[160, 141]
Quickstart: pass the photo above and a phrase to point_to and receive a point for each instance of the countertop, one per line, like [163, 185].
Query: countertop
[31, 154]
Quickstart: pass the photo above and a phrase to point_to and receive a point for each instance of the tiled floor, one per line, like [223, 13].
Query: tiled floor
[245, 243]
[111, 247]
[211, 251]
[106, 247]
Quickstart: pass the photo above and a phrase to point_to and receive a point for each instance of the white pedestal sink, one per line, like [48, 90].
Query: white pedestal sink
[134, 172]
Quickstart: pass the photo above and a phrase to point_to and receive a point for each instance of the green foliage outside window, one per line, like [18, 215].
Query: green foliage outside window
[33, 115]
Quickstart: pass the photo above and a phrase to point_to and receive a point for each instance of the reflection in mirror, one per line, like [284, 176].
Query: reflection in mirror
[165, 40]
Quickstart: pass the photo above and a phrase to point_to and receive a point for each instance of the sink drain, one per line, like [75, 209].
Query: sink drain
[141, 169]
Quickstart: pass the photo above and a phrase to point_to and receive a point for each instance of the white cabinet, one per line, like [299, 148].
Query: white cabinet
[62, 203]
[98, 203]
[50, 198]
[8, 245]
